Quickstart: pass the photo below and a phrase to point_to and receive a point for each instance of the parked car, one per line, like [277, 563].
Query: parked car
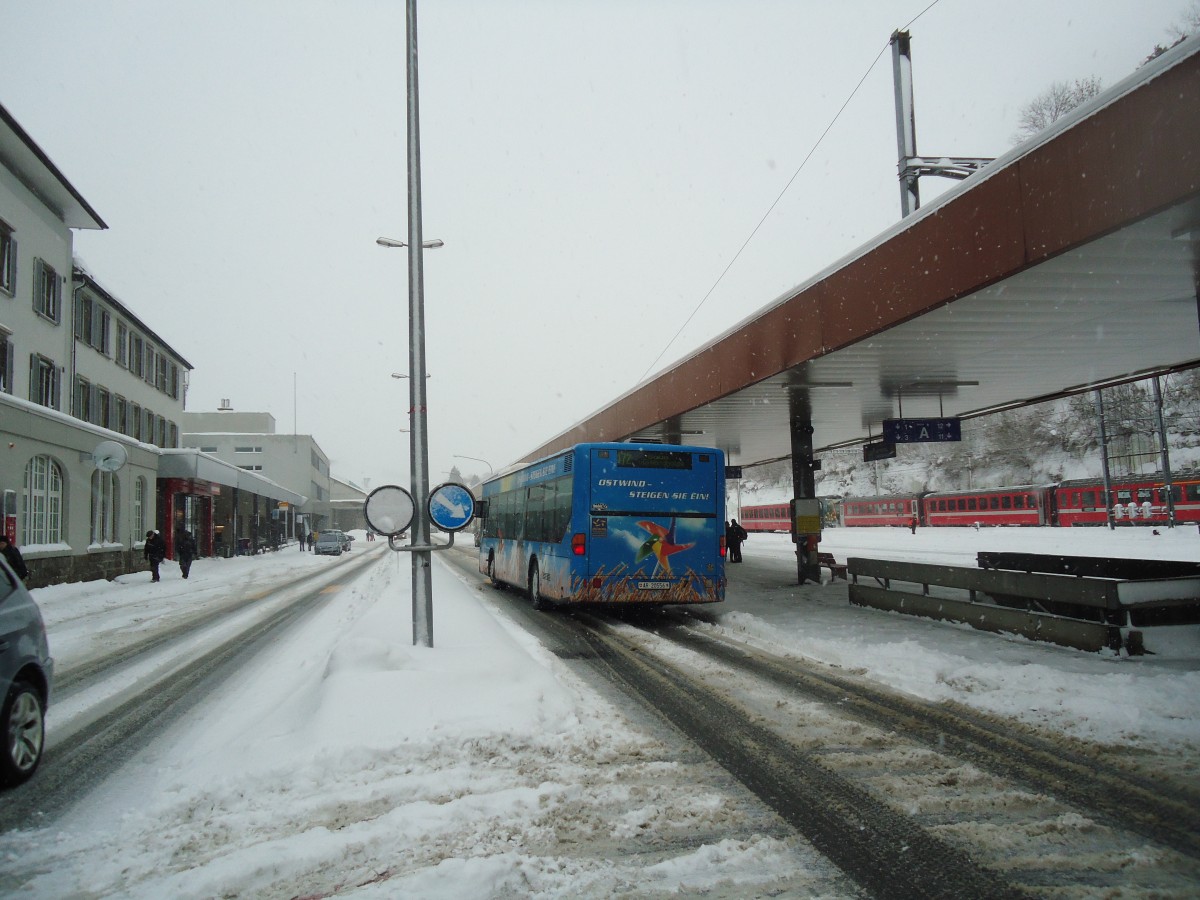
[331, 542]
[26, 673]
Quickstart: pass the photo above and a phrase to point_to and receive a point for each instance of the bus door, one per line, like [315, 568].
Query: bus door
[656, 521]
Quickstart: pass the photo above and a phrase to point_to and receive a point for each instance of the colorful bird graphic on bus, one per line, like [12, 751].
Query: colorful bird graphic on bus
[661, 544]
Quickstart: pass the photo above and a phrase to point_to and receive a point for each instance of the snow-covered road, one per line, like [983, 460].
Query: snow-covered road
[346, 761]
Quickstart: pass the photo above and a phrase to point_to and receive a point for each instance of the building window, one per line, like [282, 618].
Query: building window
[81, 403]
[160, 431]
[103, 332]
[8, 260]
[160, 373]
[47, 291]
[135, 421]
[43, 381]
[103, 408]
[85, 310]
[6, 362]
[247, 449]
[172, 434]
[251, 468]
[148, 367]
[122, 342]
[209, 449]
[43, 502]
[92, 323]
[136, 354]
[139, 508]
[173, 382]
[119, 422]
[105, 490]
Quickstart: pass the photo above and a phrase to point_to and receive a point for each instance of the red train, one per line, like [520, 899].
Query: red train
[1139, 500]
[768, 517]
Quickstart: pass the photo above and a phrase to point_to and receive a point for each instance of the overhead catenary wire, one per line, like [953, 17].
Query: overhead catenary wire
[778, 198]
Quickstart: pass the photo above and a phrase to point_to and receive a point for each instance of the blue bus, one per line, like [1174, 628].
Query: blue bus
[610, 523]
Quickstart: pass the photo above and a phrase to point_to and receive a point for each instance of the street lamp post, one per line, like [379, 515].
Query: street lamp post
[422, 583]
[491, 471]
[392, 242]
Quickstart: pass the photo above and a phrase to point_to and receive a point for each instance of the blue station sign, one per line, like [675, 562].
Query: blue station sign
[912, 431]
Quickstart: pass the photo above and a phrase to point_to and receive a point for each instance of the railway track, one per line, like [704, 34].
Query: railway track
[907, 798]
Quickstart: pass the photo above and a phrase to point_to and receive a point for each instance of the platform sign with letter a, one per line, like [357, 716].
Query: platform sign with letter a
[912, 431]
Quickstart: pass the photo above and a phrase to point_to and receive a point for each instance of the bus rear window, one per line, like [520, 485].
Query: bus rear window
[653, 459]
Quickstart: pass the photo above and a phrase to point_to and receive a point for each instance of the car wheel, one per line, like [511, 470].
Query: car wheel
[24, 733]
[535, 587]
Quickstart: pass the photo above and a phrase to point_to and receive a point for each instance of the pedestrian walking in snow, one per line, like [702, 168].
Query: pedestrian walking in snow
[13, 557]
[155, 551]
[185, 551]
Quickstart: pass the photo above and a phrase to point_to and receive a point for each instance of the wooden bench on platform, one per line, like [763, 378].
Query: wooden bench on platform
[836, 570]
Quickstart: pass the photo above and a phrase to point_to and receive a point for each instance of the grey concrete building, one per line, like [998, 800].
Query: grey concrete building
[248, 441]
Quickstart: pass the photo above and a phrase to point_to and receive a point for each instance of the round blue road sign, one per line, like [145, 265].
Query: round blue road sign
[451, 506]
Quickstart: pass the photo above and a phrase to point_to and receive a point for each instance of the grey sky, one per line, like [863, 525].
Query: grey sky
[591, 166]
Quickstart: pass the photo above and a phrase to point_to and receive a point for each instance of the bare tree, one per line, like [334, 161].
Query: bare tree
[1052, 104]
[1188, 24]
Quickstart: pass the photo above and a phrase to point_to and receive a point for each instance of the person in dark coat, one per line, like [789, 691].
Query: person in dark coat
[185, 551]
[734, 535]
[155, 551]
[13, 557]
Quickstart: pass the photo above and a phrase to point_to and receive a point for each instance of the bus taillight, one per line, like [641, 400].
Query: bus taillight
[579, 544]
[722, 546]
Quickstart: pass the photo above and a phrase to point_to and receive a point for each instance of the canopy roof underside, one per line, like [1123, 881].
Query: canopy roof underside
[1069, 263]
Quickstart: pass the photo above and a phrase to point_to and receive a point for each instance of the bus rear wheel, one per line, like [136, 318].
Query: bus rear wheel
[491, 572]
[535, 587]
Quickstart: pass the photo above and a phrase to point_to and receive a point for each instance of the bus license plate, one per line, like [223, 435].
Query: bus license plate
[653, 585]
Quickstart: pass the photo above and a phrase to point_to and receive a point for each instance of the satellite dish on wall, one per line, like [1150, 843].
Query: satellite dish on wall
[110, 456]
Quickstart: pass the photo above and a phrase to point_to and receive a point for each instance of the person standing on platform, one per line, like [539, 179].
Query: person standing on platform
[734, 535]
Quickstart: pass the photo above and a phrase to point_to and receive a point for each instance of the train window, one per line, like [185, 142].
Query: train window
[1145, 494]
[971, 503]
[1007, 502]
[1192, 491]
[942, 505]
[1089, 498]
[994, 503]
[961, 504]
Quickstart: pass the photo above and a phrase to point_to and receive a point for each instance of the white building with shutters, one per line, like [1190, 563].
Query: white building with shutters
[77, 369]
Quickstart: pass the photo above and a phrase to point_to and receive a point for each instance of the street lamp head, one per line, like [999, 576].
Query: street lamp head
[390, 242]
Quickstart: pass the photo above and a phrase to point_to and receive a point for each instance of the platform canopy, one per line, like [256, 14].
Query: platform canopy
[1067, 264]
